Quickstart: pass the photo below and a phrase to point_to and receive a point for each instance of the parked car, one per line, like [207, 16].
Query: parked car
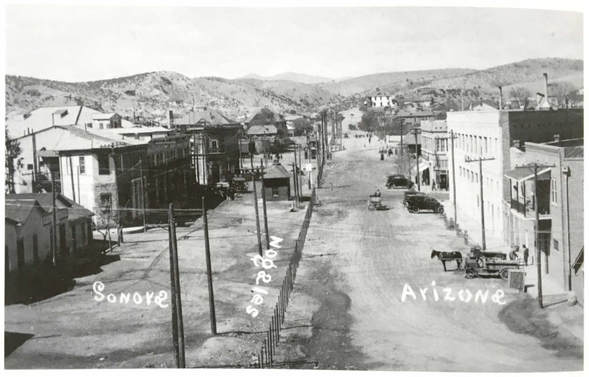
[416, 203]
[411, 193]
[398, 181]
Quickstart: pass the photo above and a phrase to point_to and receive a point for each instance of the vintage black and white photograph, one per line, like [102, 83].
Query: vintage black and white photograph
[313, 186]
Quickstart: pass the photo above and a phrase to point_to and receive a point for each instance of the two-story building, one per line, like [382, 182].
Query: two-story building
[434, 151]
[557, 200]
[214, 140]
[490, 135]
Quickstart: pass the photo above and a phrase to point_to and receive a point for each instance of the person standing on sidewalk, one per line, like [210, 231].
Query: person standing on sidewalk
[526, 254]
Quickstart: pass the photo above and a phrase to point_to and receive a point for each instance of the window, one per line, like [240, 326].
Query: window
[35, 248]
[486, 146]
[553, 192]
[89, 125]
[82, 165]
[103, 164]
[30, 166]
[555, 244]
[106, 202]
[20, 253]
[101, 126]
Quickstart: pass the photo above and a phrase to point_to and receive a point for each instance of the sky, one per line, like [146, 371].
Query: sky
[82, 43]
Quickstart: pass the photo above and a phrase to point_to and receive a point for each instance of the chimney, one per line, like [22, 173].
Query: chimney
[170, 119]
[546, 85]
[557, 138]
[500, 97]
[515, 143]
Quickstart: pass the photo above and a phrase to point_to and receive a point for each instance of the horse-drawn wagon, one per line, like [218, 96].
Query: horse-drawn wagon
[478, 263]
[489, 267]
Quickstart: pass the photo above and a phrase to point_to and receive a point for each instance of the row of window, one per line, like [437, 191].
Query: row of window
[481, 145]
[473, 177]
[437, 144]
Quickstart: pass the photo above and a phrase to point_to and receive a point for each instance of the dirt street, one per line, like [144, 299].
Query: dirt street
[73, 330]
[348, 314]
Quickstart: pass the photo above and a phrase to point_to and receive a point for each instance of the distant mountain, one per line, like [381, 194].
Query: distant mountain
[150, 94]
[390, 82]
[524, 73]
[290, 76]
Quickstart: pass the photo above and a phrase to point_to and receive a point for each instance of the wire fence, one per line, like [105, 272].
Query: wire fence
[267, 356]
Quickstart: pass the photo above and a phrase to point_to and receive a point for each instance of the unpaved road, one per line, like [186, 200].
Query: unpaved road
[355, 265]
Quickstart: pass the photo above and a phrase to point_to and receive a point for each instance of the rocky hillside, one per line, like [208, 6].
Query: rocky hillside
[151, 94]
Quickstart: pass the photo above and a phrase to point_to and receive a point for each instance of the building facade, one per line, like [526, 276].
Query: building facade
[434, 151]
[490, 135]
[559, 202]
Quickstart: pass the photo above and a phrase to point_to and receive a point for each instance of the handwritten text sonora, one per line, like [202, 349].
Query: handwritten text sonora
[447, 294]
[129, 298]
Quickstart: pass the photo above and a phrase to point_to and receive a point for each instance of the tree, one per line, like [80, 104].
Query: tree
[12, 152]
[562, 91]
[520, 93]
[302, 126]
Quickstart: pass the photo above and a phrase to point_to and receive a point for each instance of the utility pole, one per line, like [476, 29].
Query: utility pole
[401, 151]
[177, 321]
[295, 178]
[415, 132]
[452, 137]
[567, 172]
[535, 166]
[54, 225]
[480, 161]
[264, 206]
[72, 178]
[209, 269]
[142, 195]
[256, 206]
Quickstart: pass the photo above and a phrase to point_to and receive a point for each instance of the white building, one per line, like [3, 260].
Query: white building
[491, 134]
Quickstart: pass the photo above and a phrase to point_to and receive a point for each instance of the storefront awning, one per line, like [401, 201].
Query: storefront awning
[524, 173]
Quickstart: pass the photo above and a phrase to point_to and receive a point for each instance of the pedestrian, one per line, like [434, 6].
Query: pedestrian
[434, 187]
[526, 254]
[513, 255]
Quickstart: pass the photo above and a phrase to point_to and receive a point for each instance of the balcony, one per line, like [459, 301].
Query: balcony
[528, 209]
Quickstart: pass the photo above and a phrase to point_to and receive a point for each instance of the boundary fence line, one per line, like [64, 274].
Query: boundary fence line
[266, 356]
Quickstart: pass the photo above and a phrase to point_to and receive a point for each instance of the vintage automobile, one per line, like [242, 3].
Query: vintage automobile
[416, 203]
[398, 181]
[411, 193]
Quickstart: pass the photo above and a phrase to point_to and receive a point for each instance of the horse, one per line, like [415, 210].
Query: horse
[445, 256]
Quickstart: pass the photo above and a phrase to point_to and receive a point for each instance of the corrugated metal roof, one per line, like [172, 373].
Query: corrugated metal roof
[262, 130]
[276, 171]
[573, 152]
[207, 116]
[20, 202]
[524, 173]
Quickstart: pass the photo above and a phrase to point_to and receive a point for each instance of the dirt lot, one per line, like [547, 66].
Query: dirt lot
[73, 330]
[347, 311]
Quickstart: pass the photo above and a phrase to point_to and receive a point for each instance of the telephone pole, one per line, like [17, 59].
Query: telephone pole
[209, 268]
[452, 137]
[142, 195]
[264, 206]
[401, 151]
[54, 225]
[482, 204]
[256, 205]
[417, 178]
[535, 166]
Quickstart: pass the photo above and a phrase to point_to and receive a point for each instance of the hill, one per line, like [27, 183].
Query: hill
[390, 81]
[151, 94]
[291, 76]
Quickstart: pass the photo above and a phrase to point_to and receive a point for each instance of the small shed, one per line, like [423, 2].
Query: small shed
[277, 183]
